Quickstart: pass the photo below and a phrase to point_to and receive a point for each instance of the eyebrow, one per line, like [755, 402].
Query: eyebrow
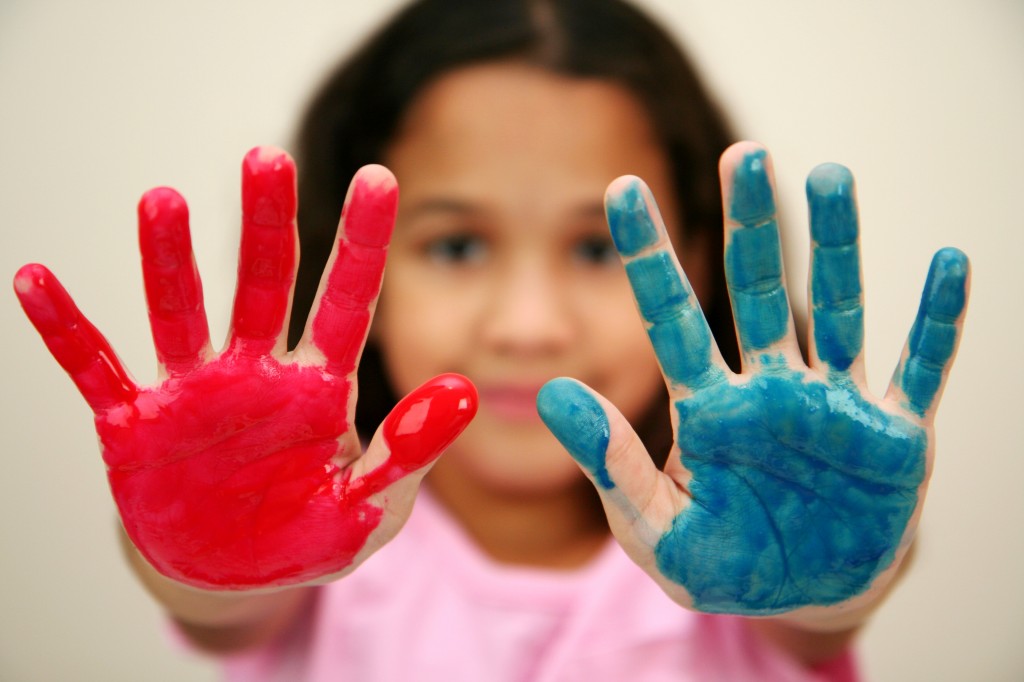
[440, 205]
[451, 205]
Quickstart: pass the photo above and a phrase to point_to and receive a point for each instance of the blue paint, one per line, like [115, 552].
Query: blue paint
[753, 201]
[630, 221]
[753, 263]
[801, 493]
[657, 286]
[753, 258]
[678, 332]
[831, 199]
[934, 334]
[683, 347]
[836, 303]
[579, 423]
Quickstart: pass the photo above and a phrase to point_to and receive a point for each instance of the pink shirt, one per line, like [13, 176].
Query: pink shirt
[430, 607]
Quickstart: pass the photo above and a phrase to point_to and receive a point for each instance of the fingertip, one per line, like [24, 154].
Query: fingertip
[161, 201]
[829, 178]
[952, 261]
[746, 170]
[831, 198]
[29, 276]
[376, 175]
[425, 422]
[266, 155]
[42, 296]
[629, 206]
[737, 154]
[371, 206]
[163, 227]
[739, 150]
[268, 186]
[621, 185]
[946, 288]
[580, 424]
[460, 395]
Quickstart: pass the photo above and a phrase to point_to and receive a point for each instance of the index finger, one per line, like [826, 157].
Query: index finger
[348, 291]
[679, 333]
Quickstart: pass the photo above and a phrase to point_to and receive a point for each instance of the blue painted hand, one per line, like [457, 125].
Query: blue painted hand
[790, 486]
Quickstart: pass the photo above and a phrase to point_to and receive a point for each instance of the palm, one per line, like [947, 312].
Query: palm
[789, 486]
[233, 473]
[242, 469]
[805, 482]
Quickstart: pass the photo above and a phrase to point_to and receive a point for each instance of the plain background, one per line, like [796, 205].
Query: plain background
[100, 101]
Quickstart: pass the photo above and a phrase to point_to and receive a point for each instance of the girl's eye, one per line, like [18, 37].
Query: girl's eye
[456, 249]
[595, 250]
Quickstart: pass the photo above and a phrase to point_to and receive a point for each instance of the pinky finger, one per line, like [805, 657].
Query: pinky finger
[931, 346]
[75, 343]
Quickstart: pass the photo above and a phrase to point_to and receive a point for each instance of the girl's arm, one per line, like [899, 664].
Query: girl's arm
[221, 622]
[791, 492]
[814, 647]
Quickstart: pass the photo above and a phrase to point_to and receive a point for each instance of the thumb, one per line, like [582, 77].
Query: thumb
[638, 498]
[415, 433]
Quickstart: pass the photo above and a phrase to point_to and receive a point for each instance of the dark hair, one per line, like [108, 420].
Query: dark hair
[355, 114]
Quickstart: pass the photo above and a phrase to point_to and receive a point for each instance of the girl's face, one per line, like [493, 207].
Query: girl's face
[501, 266]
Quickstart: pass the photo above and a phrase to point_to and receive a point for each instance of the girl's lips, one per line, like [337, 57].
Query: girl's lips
[512, 403]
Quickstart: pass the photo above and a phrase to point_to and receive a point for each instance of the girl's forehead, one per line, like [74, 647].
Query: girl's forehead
[513, 130]
[519, 108]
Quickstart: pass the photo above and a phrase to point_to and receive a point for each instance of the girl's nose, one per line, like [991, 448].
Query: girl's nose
[529, 311]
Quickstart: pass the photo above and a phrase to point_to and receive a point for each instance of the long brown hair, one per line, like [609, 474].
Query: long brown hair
[356, 112]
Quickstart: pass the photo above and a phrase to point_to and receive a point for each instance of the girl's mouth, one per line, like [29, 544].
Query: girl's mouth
[510, 402]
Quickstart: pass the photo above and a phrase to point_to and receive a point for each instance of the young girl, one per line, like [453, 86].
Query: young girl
[789, 497]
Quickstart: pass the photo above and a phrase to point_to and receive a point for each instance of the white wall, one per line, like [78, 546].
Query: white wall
[102, 100]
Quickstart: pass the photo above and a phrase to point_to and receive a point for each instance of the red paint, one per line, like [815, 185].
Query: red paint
[368, 216]
[268, 252]
[174, 292]
[232, 476]
[343, 316]
[234, 471]
[420, 428]
[226, 477]
[76, 344]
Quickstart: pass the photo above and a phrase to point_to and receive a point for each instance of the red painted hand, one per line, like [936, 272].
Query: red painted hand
[242, 469]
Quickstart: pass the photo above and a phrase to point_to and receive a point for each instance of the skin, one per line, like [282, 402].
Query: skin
[501, 268]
